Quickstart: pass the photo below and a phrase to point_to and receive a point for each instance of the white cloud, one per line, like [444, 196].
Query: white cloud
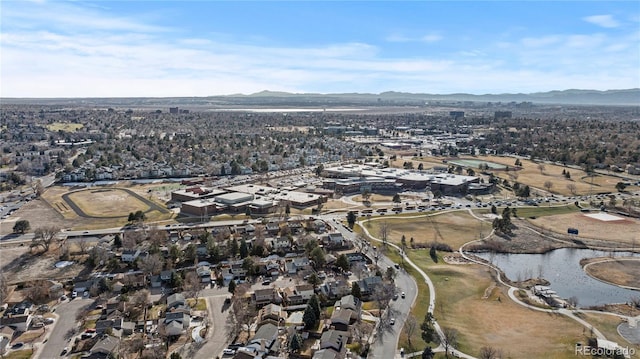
[103, 56]
[606, 21]
[428, 38]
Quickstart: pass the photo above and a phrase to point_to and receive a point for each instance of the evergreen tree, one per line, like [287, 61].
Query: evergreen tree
[244, 251]
[309, 318]
[351, 219]
[233, 249]
[355, 290]
[232, 287]
[343, 262]
[295, 343]
[314, 303]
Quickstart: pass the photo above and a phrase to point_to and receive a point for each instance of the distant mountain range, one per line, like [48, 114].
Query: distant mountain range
[583, 97]
[271, 98]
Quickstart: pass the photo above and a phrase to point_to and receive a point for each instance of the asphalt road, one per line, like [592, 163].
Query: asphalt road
[385, 345]
[66, 320]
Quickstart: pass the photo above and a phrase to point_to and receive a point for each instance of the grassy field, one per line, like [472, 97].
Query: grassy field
[624, 231]
[546, 211]
[453, 228]
[532, 176]
[64, 126]
[469, 300]
[618, 271]
[111, 202]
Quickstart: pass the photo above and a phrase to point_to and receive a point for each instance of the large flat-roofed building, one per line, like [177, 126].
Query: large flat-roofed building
[201, 207]
[195, 192]
[358, 185]
[233, 198]
[294, 198]
[452, 184]
[357, 178]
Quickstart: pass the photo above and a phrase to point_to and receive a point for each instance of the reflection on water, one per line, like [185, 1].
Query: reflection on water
[562, 269]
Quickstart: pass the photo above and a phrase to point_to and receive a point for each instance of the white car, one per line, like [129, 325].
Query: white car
[228, 351]
[392, 321]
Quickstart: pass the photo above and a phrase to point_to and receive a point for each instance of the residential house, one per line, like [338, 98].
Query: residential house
[81, 287]
[319, 226]
[297, 295]
[174, 328]
[104, 324]
[368, 285]
[201, 250]
[352, 303]
[335, 340]
[155, 281]
[281, 244]
[263, 343]
[271, 313]
[180, 317]
[262, 297]
[294, 265]
[106, 346]
[341, 318]
[273, 228]
[334, 289]
[19, 323]
[335, 240]
[204, 273]
[175, 300]
[130, 255]
[325, 354]
[165, 275]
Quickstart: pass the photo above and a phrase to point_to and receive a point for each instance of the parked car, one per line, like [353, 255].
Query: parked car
[402, 295]
[392, 321]
[228, 351]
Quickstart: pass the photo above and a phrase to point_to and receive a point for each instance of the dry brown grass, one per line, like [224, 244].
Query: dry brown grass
[623, 231]
[111, 202]
[620, 271]
[496, 321]
[607, 325]
[452, 228]
[531, 175]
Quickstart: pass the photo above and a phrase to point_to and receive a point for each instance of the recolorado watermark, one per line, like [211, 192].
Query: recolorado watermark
[595, 351]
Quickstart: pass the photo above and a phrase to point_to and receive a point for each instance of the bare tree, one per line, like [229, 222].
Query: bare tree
[242, 313]
[192, 284]
[490, 352]
[410, 326]
[152, 264]
[541, 167]
[44, 237]
[38, 292]
[137, 303]
[548, 185]
[383, 232]
[383, 294]
[83, 243]
[450, 339]
[572, 188]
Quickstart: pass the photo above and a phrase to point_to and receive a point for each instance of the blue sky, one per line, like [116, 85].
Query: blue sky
[201, 48]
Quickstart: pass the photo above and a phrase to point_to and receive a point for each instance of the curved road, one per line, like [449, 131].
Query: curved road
[432, 296]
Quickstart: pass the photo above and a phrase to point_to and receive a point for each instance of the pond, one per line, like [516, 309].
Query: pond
[561, 267]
